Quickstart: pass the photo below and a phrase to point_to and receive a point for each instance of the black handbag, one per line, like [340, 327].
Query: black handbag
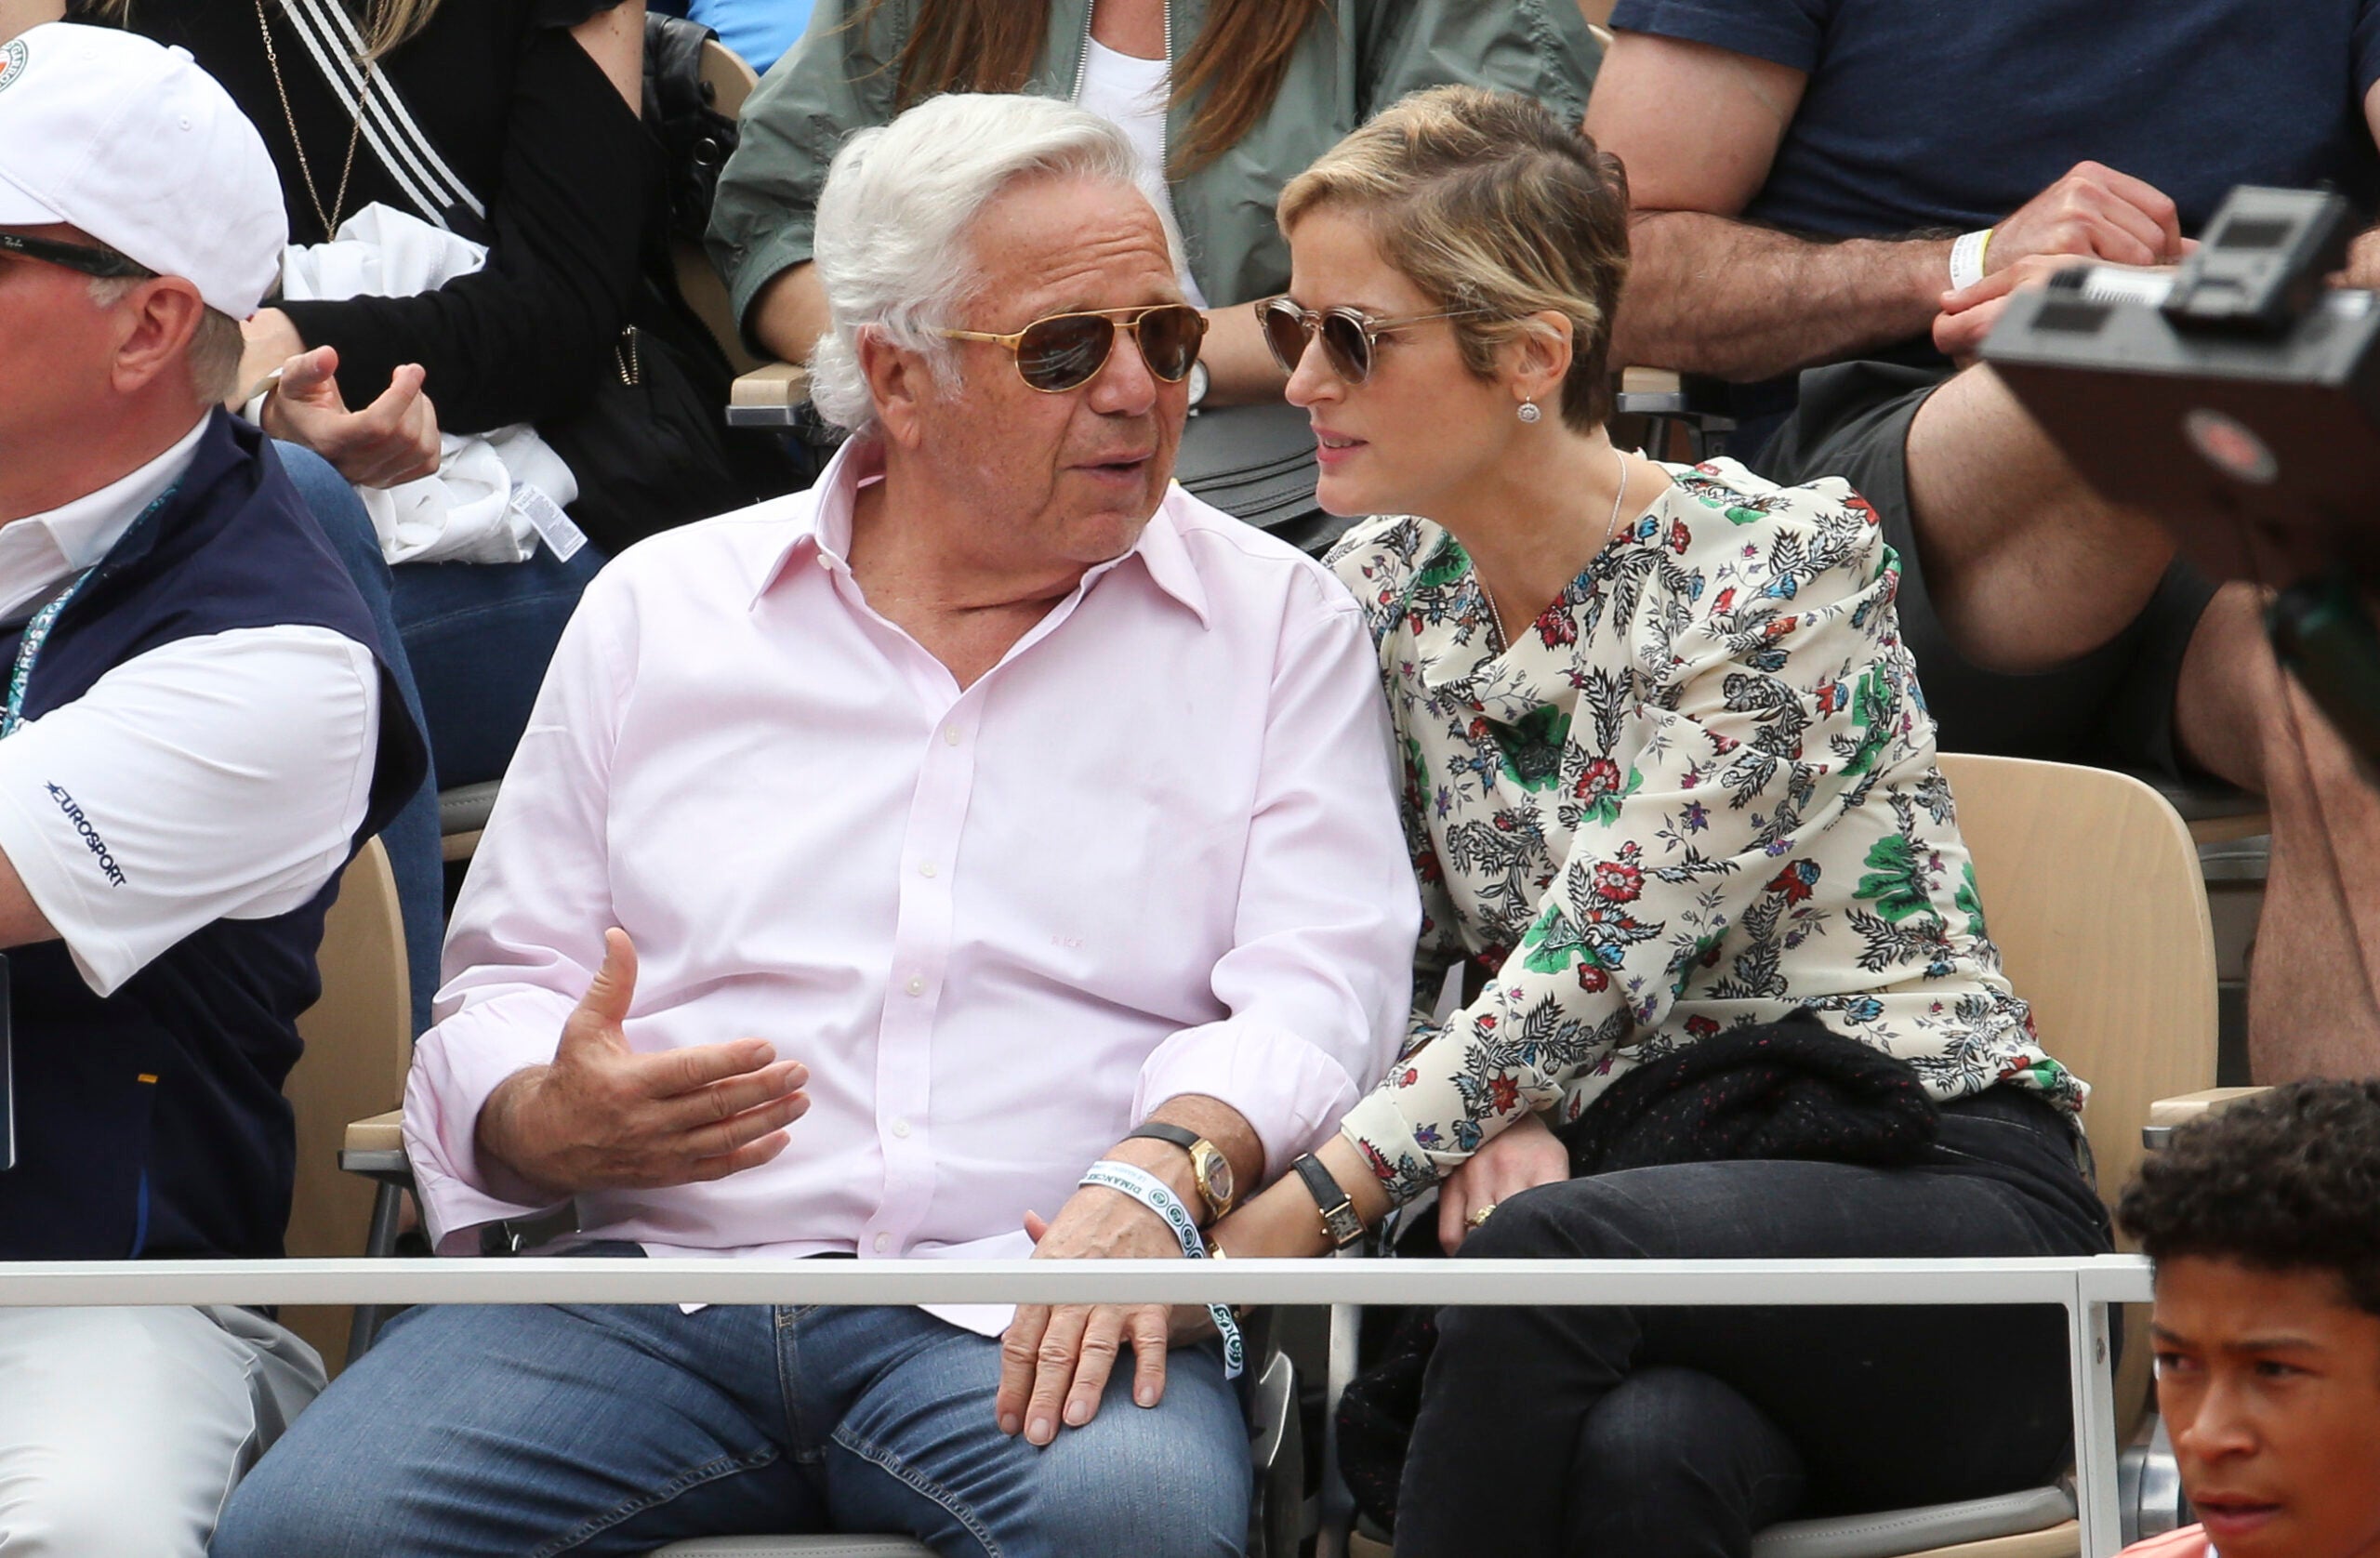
[1256, 463]
[651, 449]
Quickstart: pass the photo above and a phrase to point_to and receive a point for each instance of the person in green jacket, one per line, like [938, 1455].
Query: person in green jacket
[1227, 100]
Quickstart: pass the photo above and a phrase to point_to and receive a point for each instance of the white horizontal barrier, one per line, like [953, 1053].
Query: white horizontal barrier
[2084, 1286]
[542, 1279]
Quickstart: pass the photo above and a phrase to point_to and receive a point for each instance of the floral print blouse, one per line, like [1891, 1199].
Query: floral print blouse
[1699, 793]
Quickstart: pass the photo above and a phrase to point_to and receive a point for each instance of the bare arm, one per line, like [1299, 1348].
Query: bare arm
[21, 921]
[788, 314]
[1711, 294]
[2363, 258]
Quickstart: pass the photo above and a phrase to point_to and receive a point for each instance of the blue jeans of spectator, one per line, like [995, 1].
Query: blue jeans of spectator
[480, 636]
[411, 837]
[507, 1431]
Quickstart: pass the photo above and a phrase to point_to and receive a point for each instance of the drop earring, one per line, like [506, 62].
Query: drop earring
[1528, 412]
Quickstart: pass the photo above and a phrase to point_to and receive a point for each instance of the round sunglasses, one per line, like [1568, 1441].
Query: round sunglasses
[1065, 351]
[1348, 335]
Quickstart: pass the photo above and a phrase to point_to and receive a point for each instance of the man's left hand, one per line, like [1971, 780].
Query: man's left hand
[1055, 1360]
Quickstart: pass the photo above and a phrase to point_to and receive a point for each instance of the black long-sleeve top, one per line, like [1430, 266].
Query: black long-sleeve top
[529, 125]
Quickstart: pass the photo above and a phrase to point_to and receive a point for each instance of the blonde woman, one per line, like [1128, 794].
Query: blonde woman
[1672, 796]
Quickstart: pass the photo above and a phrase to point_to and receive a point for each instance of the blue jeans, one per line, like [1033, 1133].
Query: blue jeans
[475, 1432]
[411, 837]
[481, 636]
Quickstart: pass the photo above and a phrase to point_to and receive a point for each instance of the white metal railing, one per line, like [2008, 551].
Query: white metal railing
[2084, 1286]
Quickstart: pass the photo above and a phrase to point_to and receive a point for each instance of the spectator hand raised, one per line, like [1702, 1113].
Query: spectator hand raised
[603, 1117]
[2092, 213]
[390, 442]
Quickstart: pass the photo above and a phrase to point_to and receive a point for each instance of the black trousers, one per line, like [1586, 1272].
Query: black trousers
[1672, 1433]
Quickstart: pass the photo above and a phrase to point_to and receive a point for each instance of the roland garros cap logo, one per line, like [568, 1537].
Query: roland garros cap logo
[12, 63]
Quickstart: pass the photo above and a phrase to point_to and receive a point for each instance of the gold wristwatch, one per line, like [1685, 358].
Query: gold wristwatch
[1207, 1165]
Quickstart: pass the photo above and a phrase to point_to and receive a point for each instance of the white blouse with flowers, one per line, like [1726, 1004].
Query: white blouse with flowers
[1700, 793]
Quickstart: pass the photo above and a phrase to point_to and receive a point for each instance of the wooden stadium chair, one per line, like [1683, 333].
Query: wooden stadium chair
[2090, 884]
[359, 1041]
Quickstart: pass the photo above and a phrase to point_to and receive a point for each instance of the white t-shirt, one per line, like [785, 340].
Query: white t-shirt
[218, 777]
[1129, 93]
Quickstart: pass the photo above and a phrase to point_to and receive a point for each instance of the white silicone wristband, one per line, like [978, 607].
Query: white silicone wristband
[1158, 1198]
[1966, 259]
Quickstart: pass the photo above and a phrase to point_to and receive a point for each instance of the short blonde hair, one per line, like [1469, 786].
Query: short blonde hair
[1485, 199]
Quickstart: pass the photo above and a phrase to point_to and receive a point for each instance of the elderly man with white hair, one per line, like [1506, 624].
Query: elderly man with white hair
[993, 833]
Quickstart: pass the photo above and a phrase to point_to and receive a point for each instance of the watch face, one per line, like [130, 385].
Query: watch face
[1219, 1179]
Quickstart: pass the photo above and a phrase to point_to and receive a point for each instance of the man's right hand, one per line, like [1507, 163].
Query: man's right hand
[2093, 213]
[601, 1116]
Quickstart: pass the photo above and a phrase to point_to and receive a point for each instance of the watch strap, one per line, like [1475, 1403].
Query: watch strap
[1205, 1157]
[1338, 1208]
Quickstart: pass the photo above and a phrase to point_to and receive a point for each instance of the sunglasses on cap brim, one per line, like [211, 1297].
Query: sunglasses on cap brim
[1348, 335]
[1065, 351]
[90, 259]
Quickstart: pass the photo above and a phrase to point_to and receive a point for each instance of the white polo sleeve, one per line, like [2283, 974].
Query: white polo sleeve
[218, 777]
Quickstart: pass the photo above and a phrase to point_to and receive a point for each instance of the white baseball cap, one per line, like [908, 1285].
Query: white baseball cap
[133, 143]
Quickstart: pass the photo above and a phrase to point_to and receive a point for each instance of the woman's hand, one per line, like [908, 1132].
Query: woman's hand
[1521, 1157]
[390, 442]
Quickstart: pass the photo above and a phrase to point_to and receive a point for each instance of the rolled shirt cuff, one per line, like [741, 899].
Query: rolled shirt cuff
[1289, 1090]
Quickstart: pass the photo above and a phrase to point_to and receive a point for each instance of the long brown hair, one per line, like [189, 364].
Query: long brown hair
[385, 25]
[1233, 67]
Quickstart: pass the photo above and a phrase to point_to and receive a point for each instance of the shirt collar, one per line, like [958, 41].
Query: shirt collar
[823, 530]
[41, 551]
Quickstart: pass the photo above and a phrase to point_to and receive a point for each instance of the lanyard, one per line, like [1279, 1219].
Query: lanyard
[36, 632]
[29, 650]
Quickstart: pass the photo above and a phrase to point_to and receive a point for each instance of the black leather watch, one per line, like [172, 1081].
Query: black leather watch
[1340, 1222]
[1207, 1165]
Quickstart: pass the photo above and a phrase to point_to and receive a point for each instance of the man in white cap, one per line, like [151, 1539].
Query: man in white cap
[198, 732]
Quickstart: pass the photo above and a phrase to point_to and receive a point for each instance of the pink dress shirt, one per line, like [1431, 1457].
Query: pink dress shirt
[1154, 851]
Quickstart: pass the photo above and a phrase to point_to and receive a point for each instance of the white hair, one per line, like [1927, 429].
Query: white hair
[891, 247]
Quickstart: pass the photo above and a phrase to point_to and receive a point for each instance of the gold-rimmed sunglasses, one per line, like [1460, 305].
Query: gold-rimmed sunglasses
[1065, 351]
[1348, 335]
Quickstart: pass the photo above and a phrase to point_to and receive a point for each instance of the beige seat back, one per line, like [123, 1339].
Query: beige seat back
[730, 81]
[359, 1041]
[2091, 887]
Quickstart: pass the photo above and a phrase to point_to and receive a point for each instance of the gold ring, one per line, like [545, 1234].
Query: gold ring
[1480, 1215]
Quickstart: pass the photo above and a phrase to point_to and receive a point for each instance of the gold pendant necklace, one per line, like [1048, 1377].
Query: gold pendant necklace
[329, 219]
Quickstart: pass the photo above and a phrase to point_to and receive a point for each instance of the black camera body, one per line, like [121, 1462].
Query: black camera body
[2237, 401]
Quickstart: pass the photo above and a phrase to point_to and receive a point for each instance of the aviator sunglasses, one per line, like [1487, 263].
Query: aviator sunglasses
[88, 258]
[1347, 334]
[1065, 351]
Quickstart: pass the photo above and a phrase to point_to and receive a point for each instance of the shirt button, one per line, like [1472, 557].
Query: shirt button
[915, 986]
[927, 869]
[901, 1128]
[822, 560]
[950, 735]
[883, 1243]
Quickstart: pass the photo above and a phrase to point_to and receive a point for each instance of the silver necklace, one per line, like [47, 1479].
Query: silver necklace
[1610, 528]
